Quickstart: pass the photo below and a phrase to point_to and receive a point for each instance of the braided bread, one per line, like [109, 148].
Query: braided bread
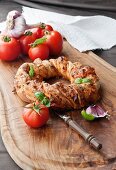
[61, 95]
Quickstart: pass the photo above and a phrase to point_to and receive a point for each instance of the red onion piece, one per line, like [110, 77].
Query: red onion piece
[97, 111]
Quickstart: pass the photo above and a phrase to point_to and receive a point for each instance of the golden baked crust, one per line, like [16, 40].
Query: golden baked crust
[61, 95]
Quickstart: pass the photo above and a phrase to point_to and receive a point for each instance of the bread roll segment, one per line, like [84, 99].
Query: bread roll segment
[61, 95]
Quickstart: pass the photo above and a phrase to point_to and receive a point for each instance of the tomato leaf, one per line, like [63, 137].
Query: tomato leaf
[38, 41]
[46, 102]
[31, 71]
[39, 95]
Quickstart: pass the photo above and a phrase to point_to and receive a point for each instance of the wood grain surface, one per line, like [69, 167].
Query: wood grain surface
[55, 146]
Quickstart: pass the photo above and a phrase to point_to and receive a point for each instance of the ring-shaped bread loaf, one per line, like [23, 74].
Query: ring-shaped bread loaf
[61, 95]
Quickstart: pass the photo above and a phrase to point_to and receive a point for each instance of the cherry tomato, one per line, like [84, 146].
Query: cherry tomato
[9, 48]
[40, 51]
[38, 32]
[35, 118]
[48, 28]
[25, 41]
[54, 41]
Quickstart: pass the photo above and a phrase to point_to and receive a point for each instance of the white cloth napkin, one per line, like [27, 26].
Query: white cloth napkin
[83, 33]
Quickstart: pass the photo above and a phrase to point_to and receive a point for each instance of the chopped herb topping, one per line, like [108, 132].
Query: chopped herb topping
[78, 80]
[31, 71]
[86, 80]
[82, 80]
[46, 102]
[41, 97]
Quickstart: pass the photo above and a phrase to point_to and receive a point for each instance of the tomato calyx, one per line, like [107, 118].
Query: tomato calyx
[38, 41]
[36, 114]
[42, 25]
[37, 108]
[34, 106]
[27, 33]
[6, 39]
[42, 100]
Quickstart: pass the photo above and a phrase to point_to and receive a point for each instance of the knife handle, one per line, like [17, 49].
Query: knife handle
[88, 137]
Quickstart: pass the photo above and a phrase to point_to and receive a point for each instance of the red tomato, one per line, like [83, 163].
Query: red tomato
[9, 48]
[41, 29]
[38, 31]
[25, 41]
[54, 41]
[40, 51]
[35, 119]
[48, 28]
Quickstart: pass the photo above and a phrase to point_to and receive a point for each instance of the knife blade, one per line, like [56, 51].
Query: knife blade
[75, 126]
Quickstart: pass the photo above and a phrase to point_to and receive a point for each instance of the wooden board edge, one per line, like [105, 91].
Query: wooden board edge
[102, 61]
[5, 132]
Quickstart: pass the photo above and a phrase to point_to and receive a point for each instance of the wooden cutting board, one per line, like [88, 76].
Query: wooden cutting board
[55, 146]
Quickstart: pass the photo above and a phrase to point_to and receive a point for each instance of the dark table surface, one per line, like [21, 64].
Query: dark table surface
[82, 7]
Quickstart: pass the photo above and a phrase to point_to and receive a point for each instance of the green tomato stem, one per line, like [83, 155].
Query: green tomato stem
[28, 33]
[6, 39]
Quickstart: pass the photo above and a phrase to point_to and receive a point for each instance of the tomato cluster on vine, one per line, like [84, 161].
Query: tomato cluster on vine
[38, 42]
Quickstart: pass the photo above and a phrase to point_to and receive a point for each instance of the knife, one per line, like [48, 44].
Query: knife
[75, 126]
